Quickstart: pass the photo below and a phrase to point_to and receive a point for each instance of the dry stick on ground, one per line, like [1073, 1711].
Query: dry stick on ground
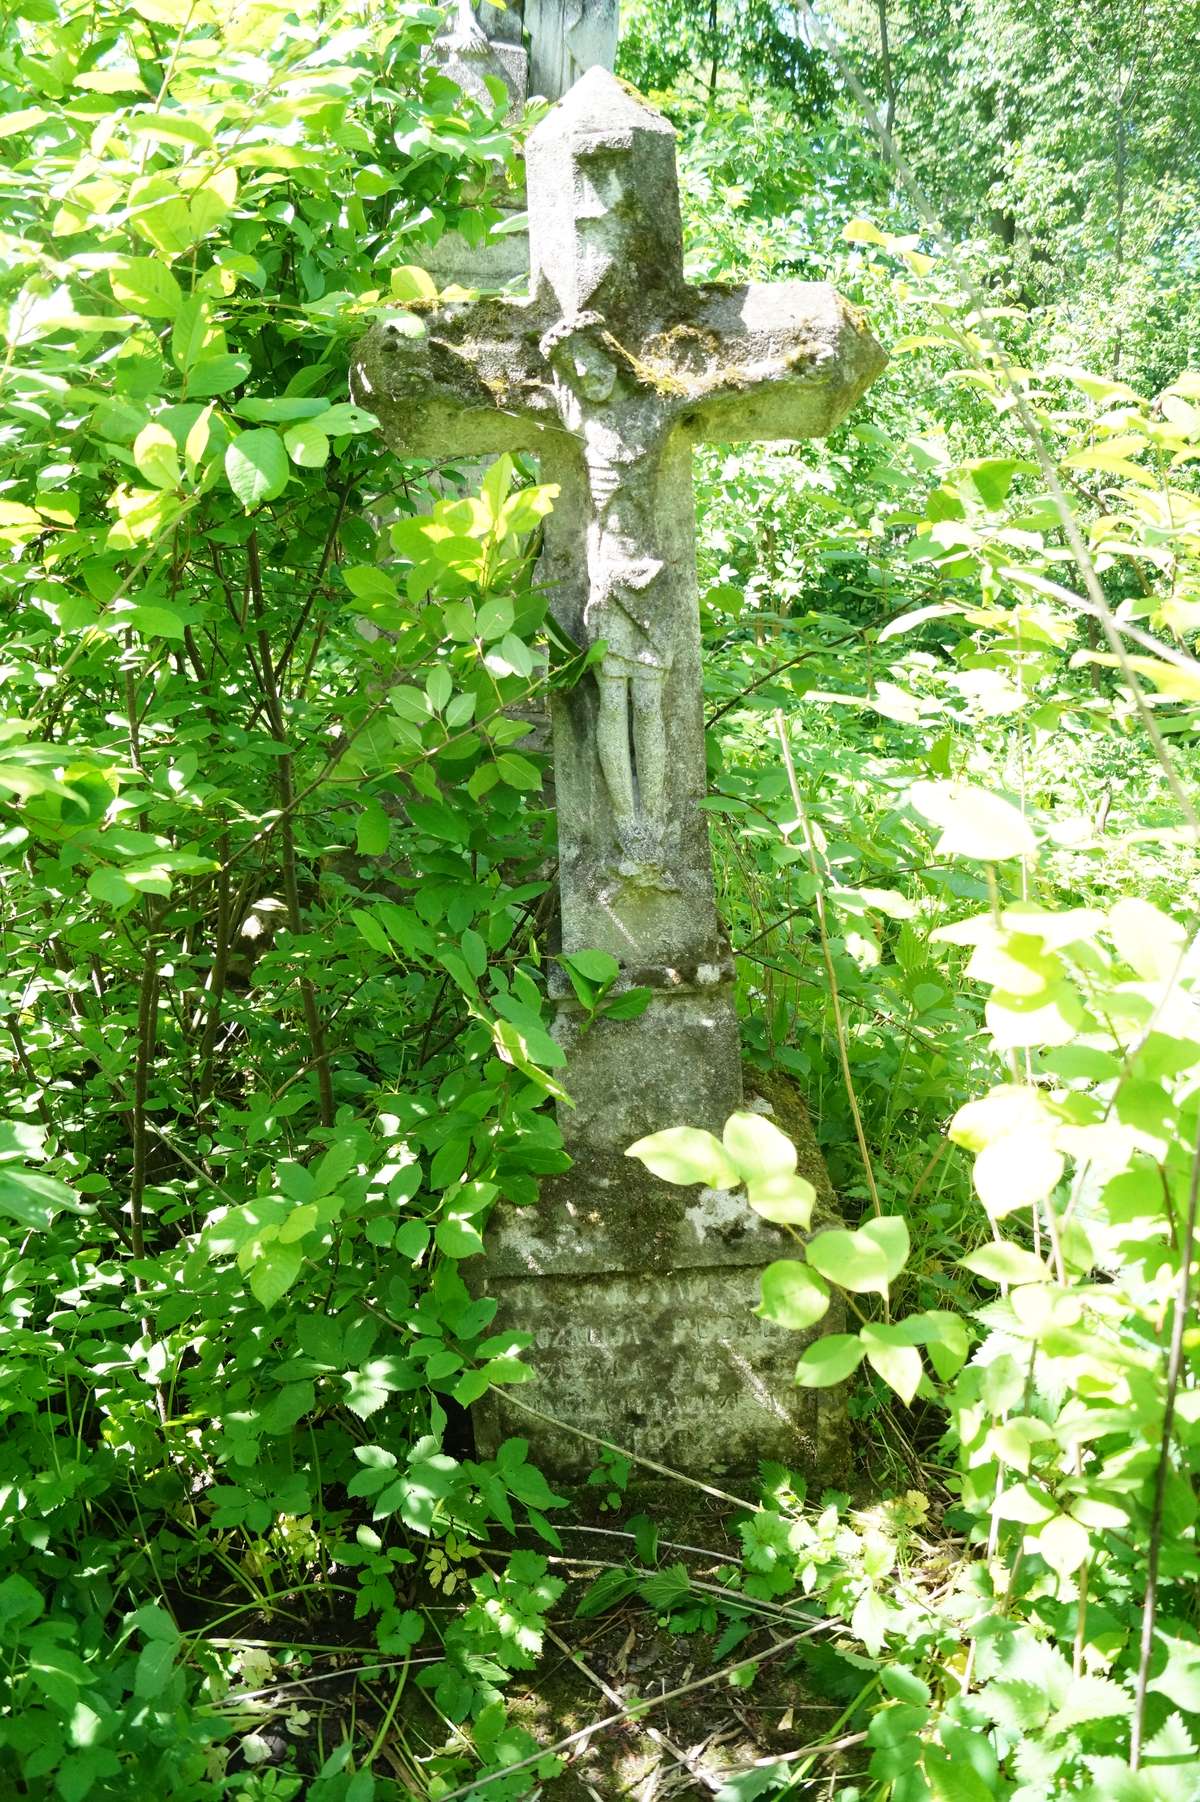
[633, 1711]
[287, 802]
[689, 1764]
[810, 851]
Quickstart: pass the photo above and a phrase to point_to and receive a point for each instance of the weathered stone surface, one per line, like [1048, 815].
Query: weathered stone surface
[611, 369]
[640, 1299]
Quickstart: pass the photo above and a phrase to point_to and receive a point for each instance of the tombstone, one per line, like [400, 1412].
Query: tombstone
[480, 40]
[638, 1294]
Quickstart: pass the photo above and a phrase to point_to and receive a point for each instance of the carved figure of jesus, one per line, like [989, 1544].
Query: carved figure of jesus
[610, 370]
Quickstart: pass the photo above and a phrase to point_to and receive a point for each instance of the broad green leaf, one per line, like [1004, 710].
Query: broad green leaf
[953, 1780]
[1063, 1543]
[1009, 1108]
[345, 417]
[1017, 1170]
[458, 1238]
[307, 444]
[897, 1363]
[216, 375]
[785, 1200]
[829, 1360]
[107, 884]
[863, 1261]
[32, 1199]
[1150, 941]
[1006, 1263]
[495, 617]
[147, 287]
[157, 457]
[861, 231]
[408, 283]
[256, 466]
[686, 1154]
[593, 966]
[757, 1147]
[974, 823]
[792, 1295]
[156, 1660]
[274, 1271]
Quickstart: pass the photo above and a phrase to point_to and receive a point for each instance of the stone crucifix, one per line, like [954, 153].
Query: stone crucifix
[610, 370]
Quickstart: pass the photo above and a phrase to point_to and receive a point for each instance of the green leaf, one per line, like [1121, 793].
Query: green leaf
[274, 1272]
[345, 417]
[974, 823]
[863, 1261]
[686, 1154]
[147, 287]
[157, 457]
[792, 1295]
[1150, 941]
[829, 1360]
[109, 885]
[409, 283]
[953, 1780]
[32, 1199]
[1006, 1263]
[899, 1364]
[495, 617]
[786, 1200]
[306, 444]
[372, 835]
[610, 1588]
[458, 1238]
[1063, 1543]
[757, 1147]
[156, 1661]
[256, 466]
[594, 966]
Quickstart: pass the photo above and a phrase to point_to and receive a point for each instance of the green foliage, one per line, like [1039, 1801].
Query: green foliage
[276, 880]
[272, 1006]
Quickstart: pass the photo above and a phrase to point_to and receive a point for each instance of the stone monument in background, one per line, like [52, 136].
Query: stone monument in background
[639, 1295]
[538, 49]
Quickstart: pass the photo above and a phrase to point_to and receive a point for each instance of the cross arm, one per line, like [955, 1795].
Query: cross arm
[467, 382]
[765, 360]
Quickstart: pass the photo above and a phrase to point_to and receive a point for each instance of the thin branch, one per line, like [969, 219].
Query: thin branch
[810, 851]
[1174, 1368]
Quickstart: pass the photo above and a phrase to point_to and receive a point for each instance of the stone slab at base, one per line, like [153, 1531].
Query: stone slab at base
[640, 1297]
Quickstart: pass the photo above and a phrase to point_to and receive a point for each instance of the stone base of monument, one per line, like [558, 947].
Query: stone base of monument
[640, 1300]
[499, 263]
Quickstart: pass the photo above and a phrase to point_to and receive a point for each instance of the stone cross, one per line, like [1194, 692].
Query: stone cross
[610, 370]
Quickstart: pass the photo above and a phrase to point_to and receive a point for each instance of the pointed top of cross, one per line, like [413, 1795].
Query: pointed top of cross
[604, 226]
[599, 102]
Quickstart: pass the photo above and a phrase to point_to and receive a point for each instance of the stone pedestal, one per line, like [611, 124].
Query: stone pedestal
[640, 1298]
